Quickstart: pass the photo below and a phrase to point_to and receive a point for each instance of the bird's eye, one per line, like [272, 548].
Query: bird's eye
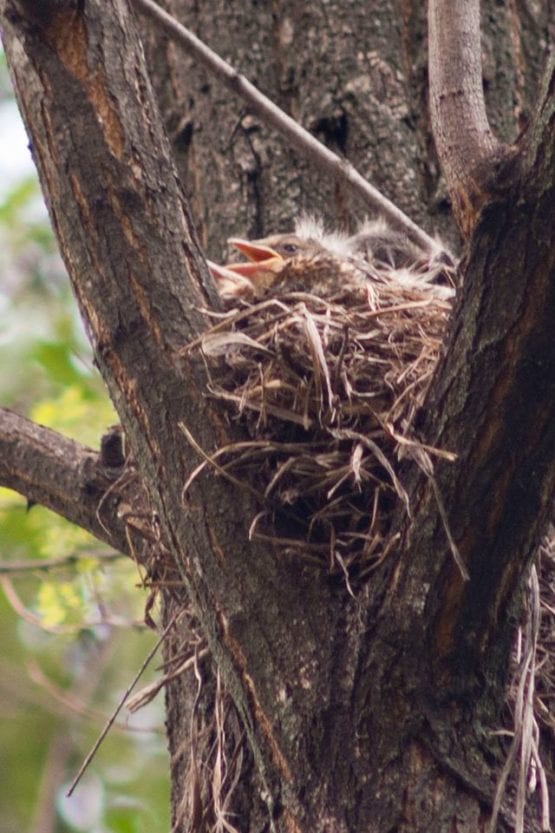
[290, 248]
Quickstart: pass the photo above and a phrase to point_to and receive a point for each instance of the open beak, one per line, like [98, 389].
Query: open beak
[230, 272]
[244, 278]
[254, 250]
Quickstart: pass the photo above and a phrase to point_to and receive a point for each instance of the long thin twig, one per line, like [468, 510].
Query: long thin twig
[127, 692]
[296, 135]
[149, 692]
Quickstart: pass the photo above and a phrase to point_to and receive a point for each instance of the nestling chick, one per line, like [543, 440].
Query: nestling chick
[316, 260]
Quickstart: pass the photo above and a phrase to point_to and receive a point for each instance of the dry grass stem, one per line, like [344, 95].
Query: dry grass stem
[327, 375]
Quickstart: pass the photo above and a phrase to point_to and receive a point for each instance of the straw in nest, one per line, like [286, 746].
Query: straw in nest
[326, 371]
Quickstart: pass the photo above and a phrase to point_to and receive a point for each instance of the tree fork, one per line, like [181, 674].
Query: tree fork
[367, 723]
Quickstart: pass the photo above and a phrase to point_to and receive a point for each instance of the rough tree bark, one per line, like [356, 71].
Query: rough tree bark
[371, 714]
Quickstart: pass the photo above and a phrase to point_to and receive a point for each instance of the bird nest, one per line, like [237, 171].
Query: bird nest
[327, 383]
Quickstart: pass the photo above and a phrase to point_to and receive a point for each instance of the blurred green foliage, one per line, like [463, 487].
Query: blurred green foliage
[72, 634]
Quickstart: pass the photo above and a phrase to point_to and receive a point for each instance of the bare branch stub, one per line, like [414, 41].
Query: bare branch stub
[61, 474]
[80, 485]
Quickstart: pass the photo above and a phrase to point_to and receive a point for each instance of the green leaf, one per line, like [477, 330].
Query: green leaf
[55, 357]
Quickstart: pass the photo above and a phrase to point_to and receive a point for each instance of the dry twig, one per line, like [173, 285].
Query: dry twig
[296, 136]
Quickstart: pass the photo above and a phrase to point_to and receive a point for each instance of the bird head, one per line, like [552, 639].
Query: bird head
[266, 259]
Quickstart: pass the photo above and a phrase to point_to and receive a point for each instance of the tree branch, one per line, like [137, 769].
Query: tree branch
[501, 489]
[61, 474]
[307, 144]
[495, 390]
[464, 141]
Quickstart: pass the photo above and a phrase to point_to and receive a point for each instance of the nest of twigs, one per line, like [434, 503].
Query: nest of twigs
[327, 383]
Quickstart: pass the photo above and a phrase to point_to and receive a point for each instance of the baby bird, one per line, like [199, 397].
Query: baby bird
[267, 259]
[319, 259]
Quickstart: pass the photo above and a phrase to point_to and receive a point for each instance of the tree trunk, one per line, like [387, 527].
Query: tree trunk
[311, 710]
